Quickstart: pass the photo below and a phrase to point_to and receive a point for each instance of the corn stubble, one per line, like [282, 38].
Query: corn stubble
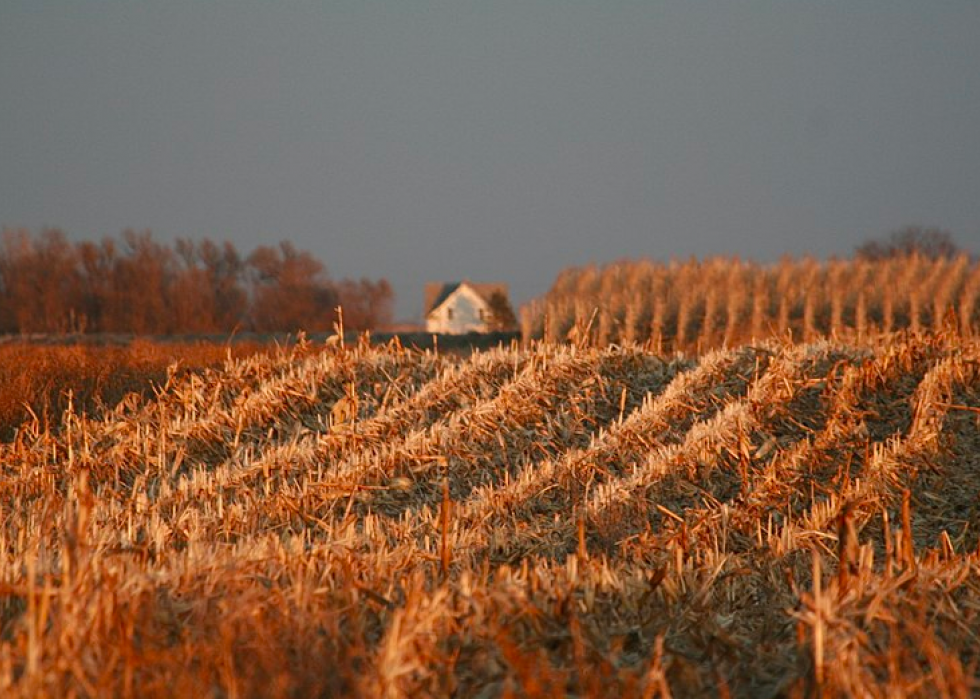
[770, 520]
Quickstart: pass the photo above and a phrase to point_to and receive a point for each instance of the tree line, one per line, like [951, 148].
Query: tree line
[135, 284]
[915, 279]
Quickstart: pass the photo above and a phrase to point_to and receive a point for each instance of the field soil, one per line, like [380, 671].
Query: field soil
[760, 521]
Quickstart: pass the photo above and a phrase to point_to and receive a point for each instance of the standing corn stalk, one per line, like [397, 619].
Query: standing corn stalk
[344, 411]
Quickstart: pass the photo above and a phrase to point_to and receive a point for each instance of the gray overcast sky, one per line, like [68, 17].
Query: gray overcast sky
[493, 140]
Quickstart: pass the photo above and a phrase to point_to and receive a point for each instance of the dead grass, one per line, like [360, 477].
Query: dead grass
[36, 380]
[778, 520]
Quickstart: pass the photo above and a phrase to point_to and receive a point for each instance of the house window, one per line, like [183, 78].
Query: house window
[481, 314]
[449, 314]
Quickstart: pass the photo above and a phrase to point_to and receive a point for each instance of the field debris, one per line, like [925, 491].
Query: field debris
[761, 521]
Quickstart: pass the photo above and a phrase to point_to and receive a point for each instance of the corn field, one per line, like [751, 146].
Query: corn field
[776, 519]
[724, 302]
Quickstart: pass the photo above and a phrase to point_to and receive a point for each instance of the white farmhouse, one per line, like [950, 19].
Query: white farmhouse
[459, 307]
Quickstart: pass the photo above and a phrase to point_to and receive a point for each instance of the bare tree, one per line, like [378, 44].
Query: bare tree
[933, 243]
[136, 285]
[291, 290]
[366, 304]
[502, 318]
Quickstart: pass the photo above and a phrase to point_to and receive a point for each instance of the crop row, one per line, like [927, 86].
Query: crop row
[540, 521]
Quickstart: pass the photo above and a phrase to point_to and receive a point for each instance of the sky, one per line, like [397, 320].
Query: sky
[493, 140]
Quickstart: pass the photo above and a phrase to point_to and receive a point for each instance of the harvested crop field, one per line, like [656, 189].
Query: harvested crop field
[762, 521]
[40, 380]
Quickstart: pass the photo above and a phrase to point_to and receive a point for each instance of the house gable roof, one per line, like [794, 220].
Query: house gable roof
[436, 293]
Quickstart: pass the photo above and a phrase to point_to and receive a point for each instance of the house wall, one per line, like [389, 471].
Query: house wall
[465, 305]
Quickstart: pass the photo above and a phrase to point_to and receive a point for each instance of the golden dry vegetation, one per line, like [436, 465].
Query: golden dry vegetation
[762, 521]
[39, 381]
[697, 305]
